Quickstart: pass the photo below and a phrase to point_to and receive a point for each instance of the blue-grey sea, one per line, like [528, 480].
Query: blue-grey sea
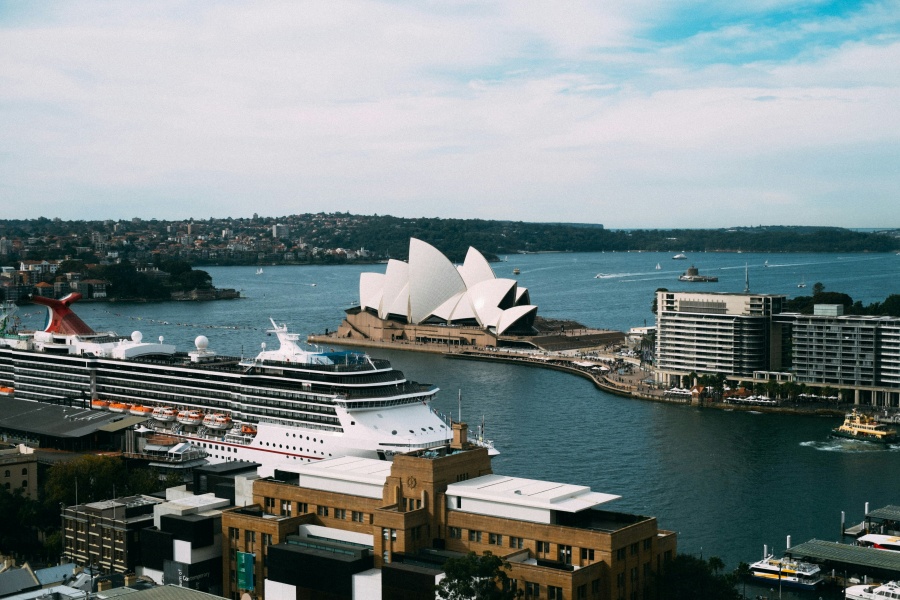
[727, 482]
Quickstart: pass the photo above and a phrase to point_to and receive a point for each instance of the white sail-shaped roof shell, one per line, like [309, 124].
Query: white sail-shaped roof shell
[432, 280]
[475, 268]
[396, 290]
[429, 287]
[371, 290]
[513, 315]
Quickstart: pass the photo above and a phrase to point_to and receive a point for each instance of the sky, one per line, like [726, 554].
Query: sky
[629, 113]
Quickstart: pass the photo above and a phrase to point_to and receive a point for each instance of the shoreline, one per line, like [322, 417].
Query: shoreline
[630, 384]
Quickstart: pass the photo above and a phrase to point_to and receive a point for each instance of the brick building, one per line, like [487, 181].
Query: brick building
[362, 528]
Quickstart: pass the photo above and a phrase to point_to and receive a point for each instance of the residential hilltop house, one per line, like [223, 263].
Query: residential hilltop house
[362, 528]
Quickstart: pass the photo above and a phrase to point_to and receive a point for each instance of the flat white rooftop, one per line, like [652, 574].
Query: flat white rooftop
[347, 474]
[531, 493]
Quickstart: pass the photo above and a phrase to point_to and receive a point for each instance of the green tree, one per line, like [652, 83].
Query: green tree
[473, 577]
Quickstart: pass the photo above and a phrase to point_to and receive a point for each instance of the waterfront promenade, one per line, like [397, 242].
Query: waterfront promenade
[609, 371]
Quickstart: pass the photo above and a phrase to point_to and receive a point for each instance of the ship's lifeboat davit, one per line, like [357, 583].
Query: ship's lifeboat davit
[217, 421]
[190, 417]
[164, 414]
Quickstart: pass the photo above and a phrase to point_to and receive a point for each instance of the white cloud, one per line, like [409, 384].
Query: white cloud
[491, 110]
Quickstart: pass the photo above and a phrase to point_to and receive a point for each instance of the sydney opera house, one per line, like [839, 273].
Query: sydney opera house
[429, 299]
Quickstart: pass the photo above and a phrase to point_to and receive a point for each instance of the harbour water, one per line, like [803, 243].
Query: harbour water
[727, 482]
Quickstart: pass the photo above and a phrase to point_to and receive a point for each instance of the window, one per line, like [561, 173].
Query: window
[587, 554]
[234, 533]
[358, 517]
[322, 511]
[581, 592]
[340, 513]
[543, 547]
[302, 507]
[635, 548]
[646, 570]
[595, 586]
[285, 508]
[270, 505]
[474, 536]
[25, 471]
[620, 554]
[634, 574]
[267, 539]
[532, 590]
[6, 473]
[515, 542]
[250, 536]
[648, 544]
[495, 538]
[554, 593]
[455, 533]
[564, 555]
[620, 580]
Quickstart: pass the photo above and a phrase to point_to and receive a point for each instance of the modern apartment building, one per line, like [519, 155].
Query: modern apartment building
[699, 332]
[748, 337]
[361, 528]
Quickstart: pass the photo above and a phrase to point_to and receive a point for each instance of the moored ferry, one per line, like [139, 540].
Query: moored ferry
[890, 543]
[787, 572]
[887, 591]
[860, 426]
[284, 404]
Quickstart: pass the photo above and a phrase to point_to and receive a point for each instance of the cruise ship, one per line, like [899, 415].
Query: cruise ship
[285, 404]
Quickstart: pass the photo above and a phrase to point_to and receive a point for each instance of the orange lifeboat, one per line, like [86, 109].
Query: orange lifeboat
[6, 391]
[217, 421]
[119, 407]
[141, 411]
[97, 404]
[164, 414]
[248, 429]
[190, 417]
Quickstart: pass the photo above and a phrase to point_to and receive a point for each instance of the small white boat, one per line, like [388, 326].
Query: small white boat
[658, 266]
[680, 256]
[164, 414]
[887, 591]
[190, 417]
[217, 421]
[890, 543]
[259, 271]
[802, 283]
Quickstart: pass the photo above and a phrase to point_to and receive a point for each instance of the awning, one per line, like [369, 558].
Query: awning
[124, 423]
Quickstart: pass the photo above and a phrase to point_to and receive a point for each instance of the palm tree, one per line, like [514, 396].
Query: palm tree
[742, 573]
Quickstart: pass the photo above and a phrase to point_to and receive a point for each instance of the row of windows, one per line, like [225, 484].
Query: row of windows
[542, 548]
[8, 472]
